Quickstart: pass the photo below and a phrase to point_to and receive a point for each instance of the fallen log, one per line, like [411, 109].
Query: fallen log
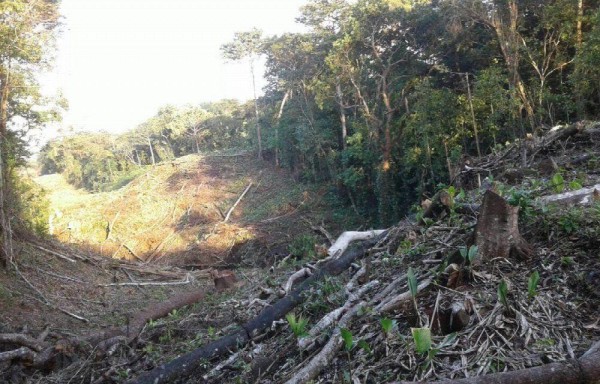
[585, 370]
[347, 237]
[185, 366]
[581, 196]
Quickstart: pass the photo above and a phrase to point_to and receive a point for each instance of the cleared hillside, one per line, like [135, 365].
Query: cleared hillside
[175, 212]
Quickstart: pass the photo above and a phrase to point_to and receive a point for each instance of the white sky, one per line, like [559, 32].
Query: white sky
[119, 61]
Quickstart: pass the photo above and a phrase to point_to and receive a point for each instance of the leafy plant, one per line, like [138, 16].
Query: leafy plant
[422, 339]
[532, 284]
[387, 325]
[303, 247]
[298, 325]
[348, 339]
[557, 182]
[412, 282]
[574, 185]
[567, 261]
[469, 254]
[503, 293]
[413, 287]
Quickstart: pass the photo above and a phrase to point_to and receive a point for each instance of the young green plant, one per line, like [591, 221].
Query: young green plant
[532, 284]
[298, 325]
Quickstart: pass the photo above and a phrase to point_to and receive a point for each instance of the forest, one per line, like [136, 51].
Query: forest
[383, 100]
[429, 118]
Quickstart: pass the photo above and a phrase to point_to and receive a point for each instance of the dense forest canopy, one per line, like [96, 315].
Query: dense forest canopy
[382, 99]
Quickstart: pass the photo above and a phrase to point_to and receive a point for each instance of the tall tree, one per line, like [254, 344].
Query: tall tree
[26, 35]
[247, 45]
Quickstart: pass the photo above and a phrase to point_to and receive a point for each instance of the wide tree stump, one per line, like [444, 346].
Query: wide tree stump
[497, 230]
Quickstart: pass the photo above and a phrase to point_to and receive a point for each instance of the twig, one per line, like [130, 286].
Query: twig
[147, 283]
[59, 255]
[236, 203]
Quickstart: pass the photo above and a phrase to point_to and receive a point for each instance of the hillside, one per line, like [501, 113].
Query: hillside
[174, 213]
[104, 320]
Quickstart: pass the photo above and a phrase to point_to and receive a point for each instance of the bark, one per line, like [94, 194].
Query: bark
[585, 370]
[497, 231]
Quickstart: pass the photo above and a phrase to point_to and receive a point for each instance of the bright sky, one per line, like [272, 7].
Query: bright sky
[119, 61]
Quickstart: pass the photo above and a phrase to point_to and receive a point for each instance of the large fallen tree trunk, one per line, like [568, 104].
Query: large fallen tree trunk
[585, 370]
[184, 366]
[581, 196]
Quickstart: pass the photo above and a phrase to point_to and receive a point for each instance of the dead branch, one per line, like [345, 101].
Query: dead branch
[346, 238]
[59, 255]
[314, 333]
[301, 274]
[22, 353]
[396, 301]
[236, 203]
[326, 355]
[22, 340]
[148, 283]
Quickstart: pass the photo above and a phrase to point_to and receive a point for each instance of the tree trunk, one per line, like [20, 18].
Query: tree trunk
[508, 39]
[475, 132]
[339, 94]
[151, 151]
[258, 133]
[6, 253]
[497, 230]
[279, 114]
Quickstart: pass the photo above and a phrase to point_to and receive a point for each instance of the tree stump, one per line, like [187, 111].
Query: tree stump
[497, 230]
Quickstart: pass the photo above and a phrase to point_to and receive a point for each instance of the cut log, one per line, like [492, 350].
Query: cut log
[224, 279]
[497, 230]
[582, 196]
[441, 203]
[585, 370]
[347, 237]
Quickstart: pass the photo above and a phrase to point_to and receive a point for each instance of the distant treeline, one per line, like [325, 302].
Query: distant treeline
[100, 161]
[382, 99]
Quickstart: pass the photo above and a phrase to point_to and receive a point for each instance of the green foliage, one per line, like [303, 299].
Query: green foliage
[469, 254]
[387, 325]
[297, 325]
[32, 208]
[348, 338]
[503, 293]
[557, 182]
[303, 247]
[422, 339]
[412, 282]
[532, 284]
